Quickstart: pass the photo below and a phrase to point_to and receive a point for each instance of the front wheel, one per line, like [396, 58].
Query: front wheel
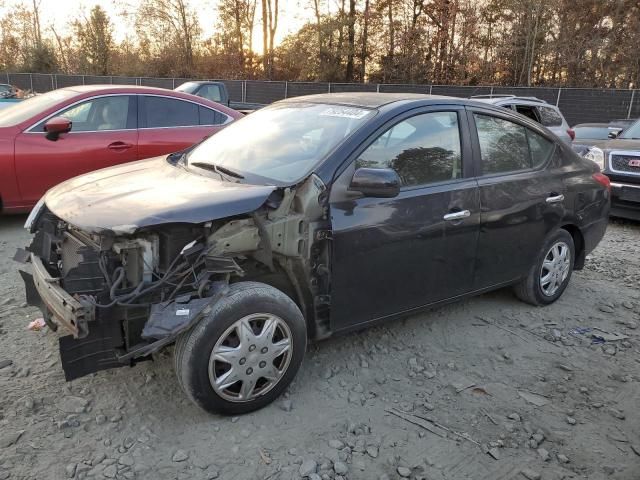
[549, 276]
[244, 353]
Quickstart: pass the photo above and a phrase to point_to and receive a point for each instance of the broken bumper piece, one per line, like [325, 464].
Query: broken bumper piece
[64, 309]
[97, 344]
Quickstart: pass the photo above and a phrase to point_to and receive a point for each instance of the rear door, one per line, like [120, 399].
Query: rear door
[521, 195]
[392, 255]
[170, 124]
[103, 133]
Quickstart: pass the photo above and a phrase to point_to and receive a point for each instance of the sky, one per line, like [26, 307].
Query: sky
[60, 12]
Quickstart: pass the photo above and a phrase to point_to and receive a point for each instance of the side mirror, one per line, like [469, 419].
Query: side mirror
[376, 182]
[56, 126]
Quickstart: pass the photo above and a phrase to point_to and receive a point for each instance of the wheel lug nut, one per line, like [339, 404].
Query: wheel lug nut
[263, 364]
[243, 361]
[264, 350]
[249, 371]
[252, 348]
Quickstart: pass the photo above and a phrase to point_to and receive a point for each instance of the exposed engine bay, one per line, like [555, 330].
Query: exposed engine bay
[125, 295]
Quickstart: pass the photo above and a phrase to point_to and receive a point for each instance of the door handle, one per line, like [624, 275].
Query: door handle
[555, 198]
[457, 215]
[119, 146]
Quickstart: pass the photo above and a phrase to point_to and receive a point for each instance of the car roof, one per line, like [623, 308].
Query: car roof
[513, 99]
[84, 91]
[117, 88]
[375, 99]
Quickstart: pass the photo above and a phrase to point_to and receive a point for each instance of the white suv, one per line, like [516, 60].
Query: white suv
[536, 109]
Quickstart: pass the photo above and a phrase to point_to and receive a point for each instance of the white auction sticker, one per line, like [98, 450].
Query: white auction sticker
[182, 312]
[344, 112]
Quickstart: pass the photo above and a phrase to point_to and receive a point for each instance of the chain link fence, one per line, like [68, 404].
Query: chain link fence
[579, 105]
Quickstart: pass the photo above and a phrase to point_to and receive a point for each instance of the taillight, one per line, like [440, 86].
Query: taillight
[603, 180]
[572, 134]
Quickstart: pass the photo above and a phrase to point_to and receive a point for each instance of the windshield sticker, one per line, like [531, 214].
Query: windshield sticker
[344, 112]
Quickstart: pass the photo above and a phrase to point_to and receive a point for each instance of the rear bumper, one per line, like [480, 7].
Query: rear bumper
[625, 200]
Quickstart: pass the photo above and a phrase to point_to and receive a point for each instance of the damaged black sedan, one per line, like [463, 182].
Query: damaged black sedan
[313, 216]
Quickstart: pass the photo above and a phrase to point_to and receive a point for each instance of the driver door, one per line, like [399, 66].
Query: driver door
[394, 255]
[103, 133]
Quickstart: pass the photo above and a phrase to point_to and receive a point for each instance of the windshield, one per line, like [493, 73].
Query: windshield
[593, 133]
[632, 132]
[26, 109]
[5, 88]
[282, 142]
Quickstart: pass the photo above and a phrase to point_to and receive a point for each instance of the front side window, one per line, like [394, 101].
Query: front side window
[162, 112]
[422, 149]
[508, 147]
[97, 114]
[539, 147]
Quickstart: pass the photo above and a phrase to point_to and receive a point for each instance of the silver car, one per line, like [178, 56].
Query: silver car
[542, 112]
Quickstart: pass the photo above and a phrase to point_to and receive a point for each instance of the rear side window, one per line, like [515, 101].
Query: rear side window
[161, 112]
[503, 145]
[508, 147]
[549, 117]
[528, 111]
[539, 147]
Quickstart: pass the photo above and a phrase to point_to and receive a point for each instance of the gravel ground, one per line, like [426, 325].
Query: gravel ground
[488, 388]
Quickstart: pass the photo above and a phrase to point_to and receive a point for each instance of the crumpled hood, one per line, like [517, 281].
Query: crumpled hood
[150, 192]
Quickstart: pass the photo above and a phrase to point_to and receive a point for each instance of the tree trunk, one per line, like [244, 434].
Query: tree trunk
[365, 33]
[392, 42]
[265, 41]
[351, 39]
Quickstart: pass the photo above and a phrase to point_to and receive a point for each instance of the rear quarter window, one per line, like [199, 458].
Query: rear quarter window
[549, 117]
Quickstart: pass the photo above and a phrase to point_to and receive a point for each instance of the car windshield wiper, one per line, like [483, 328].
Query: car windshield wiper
[217, 169]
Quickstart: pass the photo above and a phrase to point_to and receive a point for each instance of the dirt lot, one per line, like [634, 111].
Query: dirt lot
[490, 389]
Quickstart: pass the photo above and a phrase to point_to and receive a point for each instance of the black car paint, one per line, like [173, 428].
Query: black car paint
[389, 256]
[385, 251]
[150, 192]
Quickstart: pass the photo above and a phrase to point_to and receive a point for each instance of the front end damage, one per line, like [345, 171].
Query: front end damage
[124, 294]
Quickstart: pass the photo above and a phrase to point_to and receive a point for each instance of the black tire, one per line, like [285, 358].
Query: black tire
[193, 348]
[529, 290]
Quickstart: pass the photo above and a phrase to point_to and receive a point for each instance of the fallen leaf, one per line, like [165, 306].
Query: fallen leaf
[480, 391]
[265, 458]
[537, 400]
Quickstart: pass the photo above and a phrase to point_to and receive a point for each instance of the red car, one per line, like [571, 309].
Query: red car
[64, 133]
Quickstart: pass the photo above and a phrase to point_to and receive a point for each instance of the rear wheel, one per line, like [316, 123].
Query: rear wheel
[245, 352]
[549, 276]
